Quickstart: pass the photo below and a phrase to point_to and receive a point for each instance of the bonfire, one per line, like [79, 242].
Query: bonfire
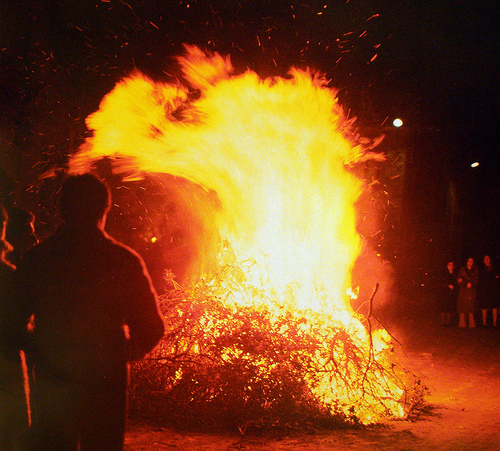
[262, 332]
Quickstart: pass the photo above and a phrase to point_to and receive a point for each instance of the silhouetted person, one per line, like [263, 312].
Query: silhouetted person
[20, 233]
[489, 291]
[468, 280]
[13, 407]
[94, 310]
[448, 294]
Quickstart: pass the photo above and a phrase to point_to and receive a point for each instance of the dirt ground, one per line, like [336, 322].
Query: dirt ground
[461, 368]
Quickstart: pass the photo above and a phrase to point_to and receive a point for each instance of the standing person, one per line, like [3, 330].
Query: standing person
[20, 234]
[489, 291]
[94, 309]
[13, 407]
[448, 293]
[468, 280]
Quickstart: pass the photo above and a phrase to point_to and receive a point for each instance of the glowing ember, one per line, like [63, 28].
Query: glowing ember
[275, 153]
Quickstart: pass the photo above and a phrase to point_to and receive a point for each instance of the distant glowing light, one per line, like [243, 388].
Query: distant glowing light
[475, 164]
[153, 239]
[397, 122]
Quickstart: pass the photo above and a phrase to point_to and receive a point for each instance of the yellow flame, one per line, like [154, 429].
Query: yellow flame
[274, 152]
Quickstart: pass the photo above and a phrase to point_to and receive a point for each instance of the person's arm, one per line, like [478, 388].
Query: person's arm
[143, 316]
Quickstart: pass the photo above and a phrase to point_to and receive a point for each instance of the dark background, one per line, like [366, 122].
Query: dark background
[434, 64]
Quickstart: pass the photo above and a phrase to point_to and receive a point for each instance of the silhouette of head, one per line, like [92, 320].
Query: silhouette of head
[20, 226]
[20, 232]
[85, 200]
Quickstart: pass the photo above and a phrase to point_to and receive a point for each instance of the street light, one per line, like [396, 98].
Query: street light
[397, 122]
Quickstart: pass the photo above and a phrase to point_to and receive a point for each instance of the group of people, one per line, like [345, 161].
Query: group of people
[472, 292]
[74, 310]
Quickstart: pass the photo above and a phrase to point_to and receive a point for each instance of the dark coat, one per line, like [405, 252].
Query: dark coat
[467, 296]
[448, 296]
[13, 407]
[93, 304]
[489, 288]
[94, 310]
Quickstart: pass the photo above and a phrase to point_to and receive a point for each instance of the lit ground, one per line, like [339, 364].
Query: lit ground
[460, 367]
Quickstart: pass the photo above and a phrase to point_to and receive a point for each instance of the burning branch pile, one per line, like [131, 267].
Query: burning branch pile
[267, 335]
[264, 365]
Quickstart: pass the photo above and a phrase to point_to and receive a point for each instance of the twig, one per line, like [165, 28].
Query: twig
[371, 354]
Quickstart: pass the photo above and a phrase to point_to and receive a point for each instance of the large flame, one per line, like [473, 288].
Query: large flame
[274, 151]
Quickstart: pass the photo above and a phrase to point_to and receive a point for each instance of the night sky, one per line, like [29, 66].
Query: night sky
[432, 63]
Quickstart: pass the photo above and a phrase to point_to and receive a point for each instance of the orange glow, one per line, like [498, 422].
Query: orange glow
[275, 152]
